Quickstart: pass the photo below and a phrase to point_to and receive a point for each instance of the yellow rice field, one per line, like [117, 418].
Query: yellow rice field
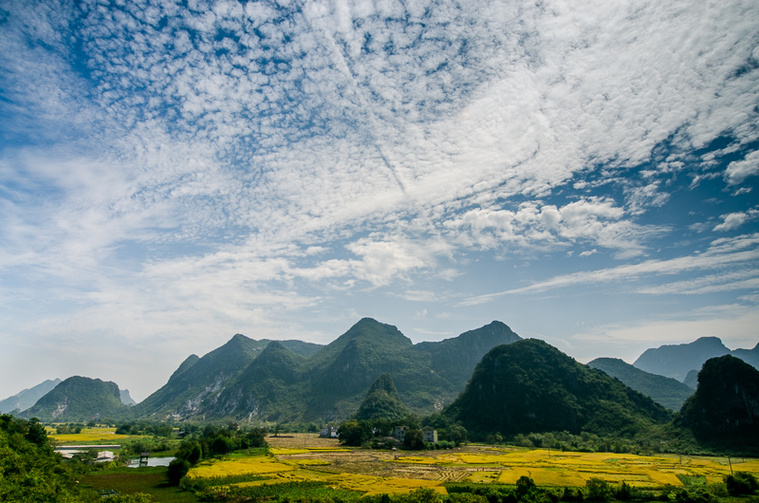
[366, 484]
[576, 468]
[95, 435]
[254, 465]
[373, 472]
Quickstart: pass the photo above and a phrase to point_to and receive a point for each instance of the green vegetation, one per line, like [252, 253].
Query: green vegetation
[284, 382]
[724, 410]
[30, 470]
[212, 441]
[382, 402]
[665, 391]
[142, 484]
[529, 386]
[79, 399]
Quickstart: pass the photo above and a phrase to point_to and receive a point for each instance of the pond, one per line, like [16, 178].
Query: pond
[135, 462]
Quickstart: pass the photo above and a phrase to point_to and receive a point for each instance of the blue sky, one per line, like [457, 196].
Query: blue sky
[173, 173]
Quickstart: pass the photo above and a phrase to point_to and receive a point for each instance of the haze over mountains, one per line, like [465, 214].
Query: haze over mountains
[296, 381]
[678, 360]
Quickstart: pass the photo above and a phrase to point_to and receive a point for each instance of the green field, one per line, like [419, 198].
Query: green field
[150, 481]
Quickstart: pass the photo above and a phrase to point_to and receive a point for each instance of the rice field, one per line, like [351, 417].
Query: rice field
[93, 435]
[375, 472]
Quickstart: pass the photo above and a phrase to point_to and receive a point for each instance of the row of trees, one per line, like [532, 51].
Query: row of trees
[376, 433]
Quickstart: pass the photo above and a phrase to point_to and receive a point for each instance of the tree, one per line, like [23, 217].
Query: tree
[178, 468]
[457, 434]
[36, 433]
[741, 483]
[413, 439]
[354, 433]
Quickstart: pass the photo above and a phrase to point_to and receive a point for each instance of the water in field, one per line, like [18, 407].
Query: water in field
[135, 462]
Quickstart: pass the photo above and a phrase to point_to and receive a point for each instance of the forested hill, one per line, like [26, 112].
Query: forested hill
[665, 391]
[80, 399]
[725, 406]
[530, 386]
[238, 380]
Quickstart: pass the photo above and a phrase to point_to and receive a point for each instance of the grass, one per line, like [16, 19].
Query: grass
[150, 481]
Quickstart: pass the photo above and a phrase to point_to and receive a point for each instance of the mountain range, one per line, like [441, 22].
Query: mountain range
[283, 381]
[296, 381]
[678, 360]
[28, 397]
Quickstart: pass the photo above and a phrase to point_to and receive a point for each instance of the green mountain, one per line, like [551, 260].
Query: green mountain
[28, 397]
[530, 386]
[454, 359]
[306, 382]
[725, 406]
[271, 387]
[197, 384]
[80, 399]
[382, 402]
[677, 360]
[665, 391]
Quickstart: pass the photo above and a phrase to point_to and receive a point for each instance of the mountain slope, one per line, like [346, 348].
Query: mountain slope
[28, 397]
[269, 389]
[454, 359]
[198, 380]
[530, 386]
[80, 399]
[665, 391]
[340, 374]
[725, 406]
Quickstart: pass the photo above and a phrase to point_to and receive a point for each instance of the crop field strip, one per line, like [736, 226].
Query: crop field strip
[96, 435]
[373, 472]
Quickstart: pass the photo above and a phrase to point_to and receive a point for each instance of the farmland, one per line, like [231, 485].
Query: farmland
[308, 459]
[92, 435]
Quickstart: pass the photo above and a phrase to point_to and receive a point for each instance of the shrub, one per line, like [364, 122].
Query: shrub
[598, 490]
[741, 484]
[178, 468]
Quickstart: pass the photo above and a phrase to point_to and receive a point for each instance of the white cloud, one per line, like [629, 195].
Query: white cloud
[738, 171]
[732, 221]
[721, 253]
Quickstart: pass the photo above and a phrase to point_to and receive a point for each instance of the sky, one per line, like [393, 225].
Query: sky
[174, 173]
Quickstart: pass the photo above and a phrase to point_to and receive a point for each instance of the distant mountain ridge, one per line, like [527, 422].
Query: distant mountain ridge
[286, 381]
[665, 391]
[28, 397]
[677, 360]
